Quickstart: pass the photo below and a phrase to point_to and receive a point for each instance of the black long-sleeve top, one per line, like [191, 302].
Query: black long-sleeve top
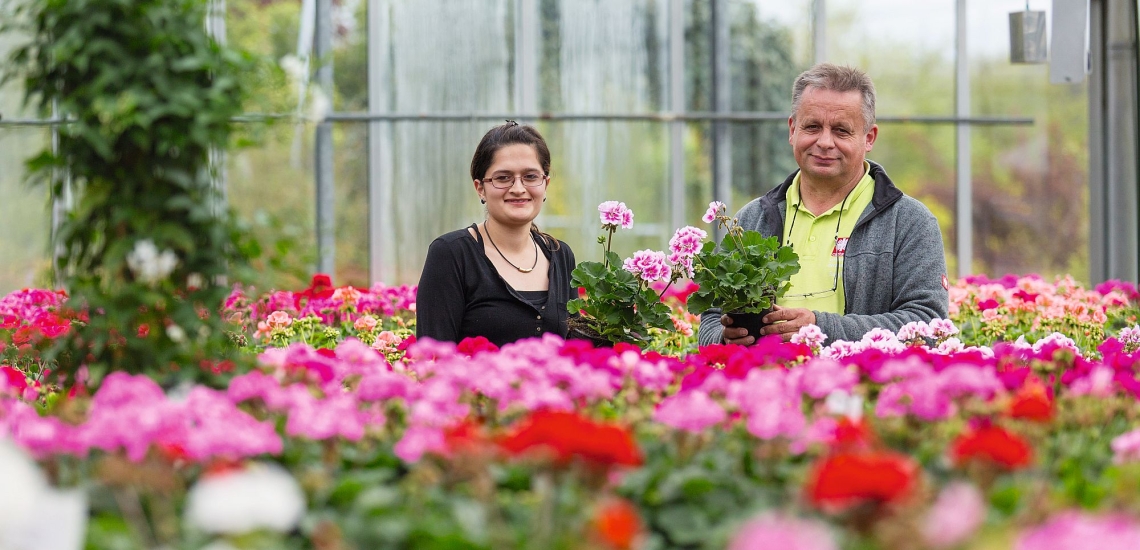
[461, 294]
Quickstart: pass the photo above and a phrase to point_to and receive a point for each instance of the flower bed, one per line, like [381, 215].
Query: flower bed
[342, 431]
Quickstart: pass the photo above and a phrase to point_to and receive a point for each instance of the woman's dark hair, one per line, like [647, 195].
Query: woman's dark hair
[511, 133]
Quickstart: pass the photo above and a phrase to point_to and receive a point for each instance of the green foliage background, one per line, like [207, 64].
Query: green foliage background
[136, 149]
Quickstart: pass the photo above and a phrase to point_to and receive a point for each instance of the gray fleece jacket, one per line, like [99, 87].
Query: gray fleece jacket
[894, 269]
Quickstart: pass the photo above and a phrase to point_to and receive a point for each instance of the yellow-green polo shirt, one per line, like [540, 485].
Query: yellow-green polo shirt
[821, 246]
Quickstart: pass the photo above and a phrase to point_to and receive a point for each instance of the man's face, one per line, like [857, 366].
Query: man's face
[828, 138]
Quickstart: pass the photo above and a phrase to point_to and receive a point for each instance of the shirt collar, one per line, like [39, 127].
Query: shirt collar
[793, 193]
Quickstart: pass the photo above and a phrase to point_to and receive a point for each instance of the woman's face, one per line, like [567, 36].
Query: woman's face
[517, 203]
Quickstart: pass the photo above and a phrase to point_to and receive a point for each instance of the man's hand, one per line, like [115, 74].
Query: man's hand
[792, 319]
[735, 335]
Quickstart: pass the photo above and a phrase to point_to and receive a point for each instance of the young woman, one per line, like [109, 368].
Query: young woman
[503, 278]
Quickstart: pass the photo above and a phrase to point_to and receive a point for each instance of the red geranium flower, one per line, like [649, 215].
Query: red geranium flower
[474, 344]
[466, 437]
[26, 335]
[984, 305]
[846, 479]
[853, 435]
[569, 435]
[319, 288]
[1032, 403]
[52, 325]
[719, 354]
[402, 346]
[16, 379]
[617, 523]
[992, 444]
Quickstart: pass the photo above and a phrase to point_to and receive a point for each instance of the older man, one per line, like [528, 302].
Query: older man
[870, 256]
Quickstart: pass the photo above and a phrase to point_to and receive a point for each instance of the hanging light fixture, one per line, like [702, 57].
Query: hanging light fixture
[1027, 39]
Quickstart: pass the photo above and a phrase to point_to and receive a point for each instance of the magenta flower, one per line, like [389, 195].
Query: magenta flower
[821, 376]
[782, 417]
[786, 533]
[964, 379]
[687, 241]
[418, 441]
[649, 265]
[691, 411]
[715, 209]
[615, 214]
[337, 415]
[215, 427]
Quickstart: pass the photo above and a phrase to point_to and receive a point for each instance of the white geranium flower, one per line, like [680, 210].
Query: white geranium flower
[262, 496]
[148, 264]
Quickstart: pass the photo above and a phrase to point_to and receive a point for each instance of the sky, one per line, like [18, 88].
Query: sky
[925, 24]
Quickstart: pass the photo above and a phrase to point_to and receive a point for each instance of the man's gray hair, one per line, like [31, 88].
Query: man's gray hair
[828, 76]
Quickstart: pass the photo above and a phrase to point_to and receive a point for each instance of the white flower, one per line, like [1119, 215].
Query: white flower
[148, 264]
[841, 403]
[22, 485]
[176, 333]
[194, 281]
[319, 105]
[293, 66]
[262, 496]
[58, 522]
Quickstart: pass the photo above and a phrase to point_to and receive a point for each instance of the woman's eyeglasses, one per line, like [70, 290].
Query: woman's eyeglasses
[506, 181]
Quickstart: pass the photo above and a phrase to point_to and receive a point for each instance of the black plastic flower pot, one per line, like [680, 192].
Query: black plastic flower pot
[751, 321]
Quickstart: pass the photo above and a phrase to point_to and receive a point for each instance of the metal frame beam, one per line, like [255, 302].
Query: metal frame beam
[325, 199]
[722, 106]
[963, 154]
[677, 104]
[381, 227]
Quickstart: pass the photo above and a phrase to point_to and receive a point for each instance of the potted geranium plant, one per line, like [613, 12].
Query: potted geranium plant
[742, 276]
[616, 302]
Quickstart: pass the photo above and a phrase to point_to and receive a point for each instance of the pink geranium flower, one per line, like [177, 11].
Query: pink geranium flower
[786, 533]
[1072, 530]
[649, 265]
[687, 241]
[615, 214]
[278, 319]
[955, 515]
[691, 411]
[716, 208]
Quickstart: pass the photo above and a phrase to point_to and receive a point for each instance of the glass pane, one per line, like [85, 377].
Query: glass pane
[908, 50]
[270, 184]
[593, 57]
[25, 220]
[770, 45]
[1030, 183]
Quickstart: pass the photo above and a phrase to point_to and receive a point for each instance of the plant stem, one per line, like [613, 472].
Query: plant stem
[609, 241]
[131, 507]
